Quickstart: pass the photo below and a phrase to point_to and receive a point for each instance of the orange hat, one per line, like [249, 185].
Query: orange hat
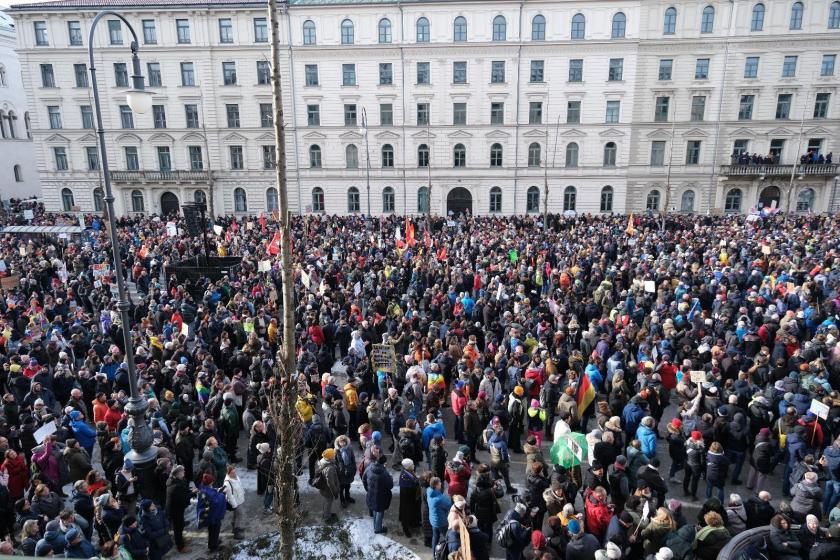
[518, 391]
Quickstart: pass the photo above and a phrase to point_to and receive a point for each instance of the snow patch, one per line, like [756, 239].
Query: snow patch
[352, 538]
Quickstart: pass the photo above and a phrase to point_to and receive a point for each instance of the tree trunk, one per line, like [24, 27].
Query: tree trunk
[285, 417]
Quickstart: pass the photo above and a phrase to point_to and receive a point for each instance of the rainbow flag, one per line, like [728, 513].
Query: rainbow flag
[585, 394]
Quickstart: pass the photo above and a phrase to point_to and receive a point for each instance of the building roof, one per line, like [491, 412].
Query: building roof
[42, 229]
[102, 4]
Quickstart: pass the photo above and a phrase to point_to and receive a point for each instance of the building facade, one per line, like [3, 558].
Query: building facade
[456, 105]
[18, 169]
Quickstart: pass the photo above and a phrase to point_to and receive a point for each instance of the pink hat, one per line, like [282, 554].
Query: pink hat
[535, 403]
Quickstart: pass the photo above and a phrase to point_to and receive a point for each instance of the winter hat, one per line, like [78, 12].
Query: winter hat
[376, 436]
[103, 499]
[537, 539]
[764, 432]
[145, 504]
[518, 391]
[207, 479]
[43, 549]
[520, 508]
[328, 454]
[459, 501]
[788, 397]
[71, 535]
[677, 423]
[574, 527]
[464, 450]
[535, 403]
[75, 415]
[407, 464]
[664, 554]
[128, 464]
[674, 505]
[500, 398]
[263, 447]
[696, 436]
[596, 464]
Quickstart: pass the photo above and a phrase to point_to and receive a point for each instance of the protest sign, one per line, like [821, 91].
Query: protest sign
[383, 357]
[650, 286]
[42, 432]
[698, 376]
[820, 409]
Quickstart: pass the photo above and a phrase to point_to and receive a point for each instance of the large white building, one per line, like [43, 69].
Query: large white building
[18, 169]
[615, 106]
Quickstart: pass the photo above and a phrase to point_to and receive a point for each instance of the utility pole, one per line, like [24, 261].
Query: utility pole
[367, 156]
[545, 181]
[284, 394]
[670, 161]
[429, 168]
[796, 157]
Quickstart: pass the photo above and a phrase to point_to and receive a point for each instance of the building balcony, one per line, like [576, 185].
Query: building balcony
[200, 176]
[762, 170]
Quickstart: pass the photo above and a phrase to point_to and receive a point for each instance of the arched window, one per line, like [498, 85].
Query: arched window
[578, 26]
[757, 22]
[384, 30]
[67, 200]
[98, 200]
[495, 200]
[609, 154]
[532, 200]
[240, 200]
[347, 36]
[18, 174]
[309, 37]
[534, 155]
[733, 201]
[11, 118]
[619, 25]
[423, 200]
[353, 202]
[28, 125]
[707, 22]
[687, 201]
[317, 199]
[572, 154]
[459, 156]
[459, 29]
[669, 26]
[387, 155]
[796, 15]
[607, 199]
[569, 199]
[423, 155]
[2, 124]
[271, 201]
[652, 201]
[351, 156]
[538, 28]
[388, 200]
[423, 31]
[496, 155]
[315, 156]
[805, 200]
[499, 28]
[3, 76]
[137, 202]
[199, 197]
[834, 16]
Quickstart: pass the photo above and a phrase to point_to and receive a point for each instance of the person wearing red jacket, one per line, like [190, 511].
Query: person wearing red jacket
[535, 375]
[18, 473]
[459, 404]
[598, 512]
[457, 476]
[316, 333]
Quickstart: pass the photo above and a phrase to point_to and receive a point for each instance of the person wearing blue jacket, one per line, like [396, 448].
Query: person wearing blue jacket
[831, 463]
[439, 505]
[797, 448]
[211, 509]
[646, 434]
[434, 427]
[520, 534]
[632, 416]
[85, 435]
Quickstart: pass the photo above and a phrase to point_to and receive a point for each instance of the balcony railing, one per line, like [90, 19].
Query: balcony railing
[772, 170]
[159, 176]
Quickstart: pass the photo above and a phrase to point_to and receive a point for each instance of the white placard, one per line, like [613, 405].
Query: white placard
[171, 229]
[650, 286]
[698, 376]
[28, 215]
[264, 266]
[45, 430]
[820, 409]
[576, 449]
[218, 230]
[357, 288]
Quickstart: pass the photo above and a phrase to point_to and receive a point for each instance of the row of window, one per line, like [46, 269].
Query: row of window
[804, 200]
[150, 33]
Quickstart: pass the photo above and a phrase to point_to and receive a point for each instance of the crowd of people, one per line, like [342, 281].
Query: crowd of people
[812, 156]
[704, 345]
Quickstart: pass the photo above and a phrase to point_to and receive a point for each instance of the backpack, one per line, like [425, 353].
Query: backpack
[406, 447]
[319, 481]
[504, 533]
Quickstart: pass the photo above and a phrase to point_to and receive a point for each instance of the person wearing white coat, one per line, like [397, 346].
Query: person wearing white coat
[235, 496]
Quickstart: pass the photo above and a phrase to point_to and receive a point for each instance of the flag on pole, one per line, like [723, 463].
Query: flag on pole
[274, 245]
[630, 229]
[427, 239]
[262, 222]
[585, 394]
[441, 254]
[398, 234]
[143, 251]
[409, 233]
[234, 227]
[694, 309]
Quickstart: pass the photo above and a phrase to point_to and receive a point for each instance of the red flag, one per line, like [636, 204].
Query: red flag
[400, 244]
[262, 222]
[441, 255]
[427, 239]
[409, 233]
[234, 227]
[273, 247]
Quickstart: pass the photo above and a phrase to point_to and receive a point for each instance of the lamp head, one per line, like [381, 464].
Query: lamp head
[140, 100]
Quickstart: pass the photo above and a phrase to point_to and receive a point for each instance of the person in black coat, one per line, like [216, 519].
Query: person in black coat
[178, 495]
[483, 502]
[156, 529]
[133, 539]
[83, 505]
[759, 510]
[378, 484]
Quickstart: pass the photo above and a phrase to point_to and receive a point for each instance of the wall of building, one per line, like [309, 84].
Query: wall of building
[18, 172]
[726, 41]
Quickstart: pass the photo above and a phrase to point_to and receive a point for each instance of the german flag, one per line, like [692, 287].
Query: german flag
[585, 395]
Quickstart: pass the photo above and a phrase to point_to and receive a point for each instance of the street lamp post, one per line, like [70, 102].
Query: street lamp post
[367, 156]
[143, 452]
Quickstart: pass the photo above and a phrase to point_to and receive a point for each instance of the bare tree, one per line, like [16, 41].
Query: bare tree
[284, 393]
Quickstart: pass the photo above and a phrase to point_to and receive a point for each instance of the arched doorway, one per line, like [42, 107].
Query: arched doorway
[168, 204]
[770, 197]
[459, 201]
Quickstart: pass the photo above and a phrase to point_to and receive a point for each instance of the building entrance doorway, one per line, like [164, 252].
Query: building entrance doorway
[169, 204]
[459, 201]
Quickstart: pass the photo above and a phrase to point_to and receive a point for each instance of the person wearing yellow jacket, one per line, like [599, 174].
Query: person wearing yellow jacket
[304, 408]
[351, 402]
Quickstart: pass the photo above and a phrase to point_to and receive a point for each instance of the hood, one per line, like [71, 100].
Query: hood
[528, 448]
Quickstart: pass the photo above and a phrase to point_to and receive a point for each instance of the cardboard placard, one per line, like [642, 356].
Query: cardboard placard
[383, 357]
[45, 430]
[698, 376]
[99, 270]
[10, 282]
[650, 286]
[264, 266]
[820, 409]
[765, 249]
